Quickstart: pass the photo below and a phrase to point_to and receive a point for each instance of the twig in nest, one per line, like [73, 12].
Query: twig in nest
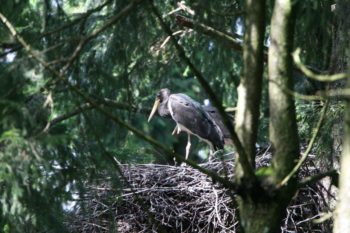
[183, 199]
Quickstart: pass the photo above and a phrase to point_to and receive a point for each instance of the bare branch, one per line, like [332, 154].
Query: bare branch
[342, 93]
[313, 179]
[310, 74]
[210, 31]
[68, 115]
[320, 96]
[103, 101]
[310, 145]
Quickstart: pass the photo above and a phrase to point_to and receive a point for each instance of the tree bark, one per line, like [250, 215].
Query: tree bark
[342, 213]
[283, 127]
[257, 210]
[249, 90]
[265, 214]
[262, 207]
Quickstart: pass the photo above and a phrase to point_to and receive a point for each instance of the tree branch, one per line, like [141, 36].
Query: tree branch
[296, 95]
[250, 87]
[68, 115]
[342, 93]
[310, 74]
[283, 132]
[12, 50]
[313, 179]
[103, 101]
[210, 31]
[309, 147]
[223, 37]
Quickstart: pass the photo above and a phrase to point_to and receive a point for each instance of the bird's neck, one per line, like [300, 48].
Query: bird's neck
[163, 109]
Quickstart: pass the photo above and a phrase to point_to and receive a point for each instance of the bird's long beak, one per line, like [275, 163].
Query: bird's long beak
[155, 106]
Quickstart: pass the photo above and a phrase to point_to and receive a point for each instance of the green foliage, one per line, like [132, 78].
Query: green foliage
[327, 144]
[264, 172]
[44, 166]
[316, 38]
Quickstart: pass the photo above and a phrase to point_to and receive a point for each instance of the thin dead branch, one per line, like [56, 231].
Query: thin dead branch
[310, 74]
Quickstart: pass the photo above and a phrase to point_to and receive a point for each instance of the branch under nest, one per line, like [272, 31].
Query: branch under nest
[163, 198]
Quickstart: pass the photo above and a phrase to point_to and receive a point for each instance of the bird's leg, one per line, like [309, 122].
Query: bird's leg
[210, 157]
[214, 154]
[188, 145]
[211, 153]
[175, 162]
[174, 131]
[178, 129]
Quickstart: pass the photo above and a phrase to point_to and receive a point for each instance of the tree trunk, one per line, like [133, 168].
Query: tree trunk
[262, 214]
[262, 207]
[342, 213]
[249, 95]
[249, 90]
[283, 127]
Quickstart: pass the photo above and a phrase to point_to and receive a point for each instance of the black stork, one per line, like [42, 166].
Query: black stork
[190, 117]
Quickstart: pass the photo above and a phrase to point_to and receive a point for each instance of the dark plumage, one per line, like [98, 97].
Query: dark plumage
[215, 115]
[190, 117]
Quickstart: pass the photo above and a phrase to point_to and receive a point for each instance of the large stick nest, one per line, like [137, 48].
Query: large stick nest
[163, 198]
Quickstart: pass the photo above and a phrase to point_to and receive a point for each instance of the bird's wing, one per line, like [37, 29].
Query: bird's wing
[191, 115]
[215, 115]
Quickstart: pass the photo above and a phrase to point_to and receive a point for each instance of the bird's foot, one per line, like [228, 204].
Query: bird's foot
[188, 146]
[178, 129]
[175, 162]
[212, 155]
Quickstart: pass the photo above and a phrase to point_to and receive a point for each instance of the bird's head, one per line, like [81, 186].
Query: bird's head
[162, 95]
